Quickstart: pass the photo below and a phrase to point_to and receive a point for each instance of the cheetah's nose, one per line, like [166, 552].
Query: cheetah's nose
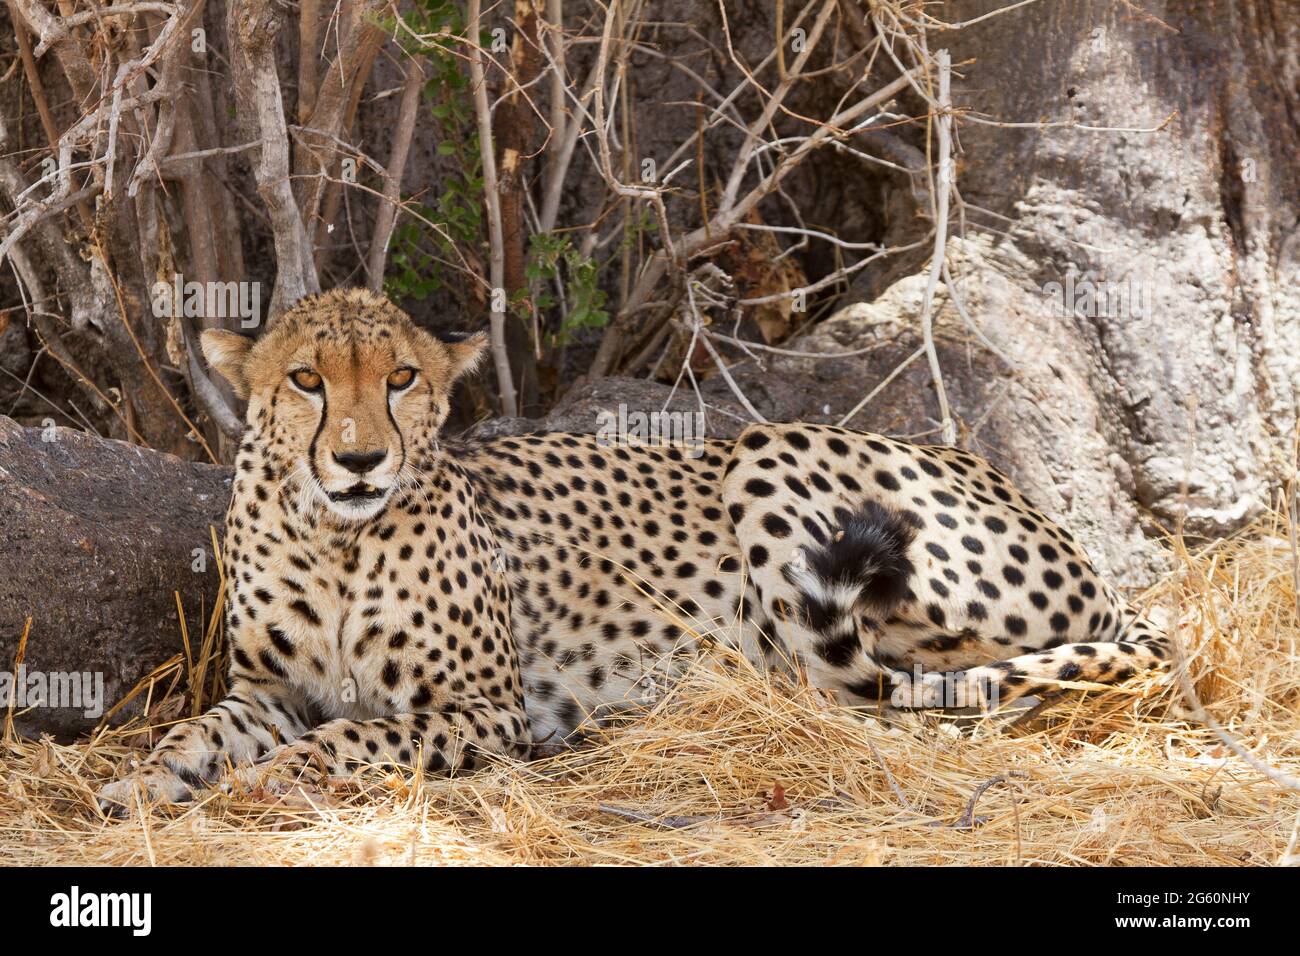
[360, 462]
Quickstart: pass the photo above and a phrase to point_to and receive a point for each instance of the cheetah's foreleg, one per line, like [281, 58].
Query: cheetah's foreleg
[253, 720]
[454, 738]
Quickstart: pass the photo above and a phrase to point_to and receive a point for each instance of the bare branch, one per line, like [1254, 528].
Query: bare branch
[334, 106]
[50, 31]
[492, 206]
[206, 391]
[725, 220]
[943, 124]
[253, 28]
[308, 51]
[386, 216]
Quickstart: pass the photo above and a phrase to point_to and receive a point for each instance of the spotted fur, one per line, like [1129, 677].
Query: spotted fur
[399, 600]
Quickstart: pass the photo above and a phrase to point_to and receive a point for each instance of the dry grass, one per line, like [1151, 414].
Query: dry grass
[732, 767]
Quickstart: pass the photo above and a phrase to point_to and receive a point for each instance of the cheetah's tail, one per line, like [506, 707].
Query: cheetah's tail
[864, 565]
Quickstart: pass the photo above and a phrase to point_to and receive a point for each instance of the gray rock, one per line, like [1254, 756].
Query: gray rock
[96, 539]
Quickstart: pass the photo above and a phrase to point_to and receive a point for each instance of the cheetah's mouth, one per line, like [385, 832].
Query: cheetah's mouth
[358, 492]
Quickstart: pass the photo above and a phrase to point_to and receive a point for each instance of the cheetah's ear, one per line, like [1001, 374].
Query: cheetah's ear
[227, 352]
[464, 352]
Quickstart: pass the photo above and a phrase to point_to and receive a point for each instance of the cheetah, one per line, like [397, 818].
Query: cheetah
[399, 599]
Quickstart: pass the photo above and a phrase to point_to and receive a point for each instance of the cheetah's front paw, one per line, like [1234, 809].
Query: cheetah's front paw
[154, 785]
[277, 771]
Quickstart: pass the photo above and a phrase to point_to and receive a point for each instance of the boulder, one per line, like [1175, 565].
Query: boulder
[97, 539]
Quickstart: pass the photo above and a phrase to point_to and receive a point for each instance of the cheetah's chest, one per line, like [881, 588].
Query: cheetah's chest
[335, 626]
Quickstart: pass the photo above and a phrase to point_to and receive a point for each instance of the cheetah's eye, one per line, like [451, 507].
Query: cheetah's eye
[306, 379]
[401, 378]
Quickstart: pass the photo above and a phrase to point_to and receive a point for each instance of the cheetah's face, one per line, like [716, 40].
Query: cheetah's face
[344, 391]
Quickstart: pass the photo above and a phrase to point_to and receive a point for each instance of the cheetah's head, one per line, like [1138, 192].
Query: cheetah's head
[343, 392]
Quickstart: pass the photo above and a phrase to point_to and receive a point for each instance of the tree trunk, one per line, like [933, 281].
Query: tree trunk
[516, 139]
[1173, 393]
